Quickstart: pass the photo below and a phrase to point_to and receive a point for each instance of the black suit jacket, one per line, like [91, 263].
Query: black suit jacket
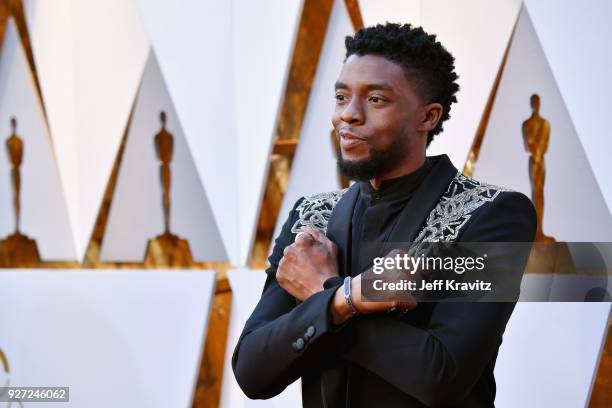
[440, 354]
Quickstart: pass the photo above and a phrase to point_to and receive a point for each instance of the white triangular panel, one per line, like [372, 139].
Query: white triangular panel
[395, 11]
[193, 42]
[575, 209]
[575, 38]
[52, 38]
[314, 164]
[110, 50]
[44, 215]
[550, 354]
[261, 65]
[477, 33]
[103, 330]
[137, 200]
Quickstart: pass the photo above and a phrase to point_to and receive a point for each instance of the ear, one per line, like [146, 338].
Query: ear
[430, 117]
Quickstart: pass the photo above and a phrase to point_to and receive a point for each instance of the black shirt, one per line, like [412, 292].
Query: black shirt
[375, 215]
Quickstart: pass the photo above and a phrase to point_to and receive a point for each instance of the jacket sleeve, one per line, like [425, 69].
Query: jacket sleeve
[441, 362]
[282, 339]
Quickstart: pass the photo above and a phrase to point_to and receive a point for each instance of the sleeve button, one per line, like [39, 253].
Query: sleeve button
[298, 345]
[310, 332]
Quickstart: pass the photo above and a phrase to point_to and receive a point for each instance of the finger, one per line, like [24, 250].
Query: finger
[288, 253]
[304, 237]
[322, 238]
[333, 248]
[316, 234]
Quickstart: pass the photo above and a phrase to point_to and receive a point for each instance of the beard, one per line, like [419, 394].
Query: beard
[379, 162]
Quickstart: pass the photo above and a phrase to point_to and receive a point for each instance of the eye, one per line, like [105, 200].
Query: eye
[340, 98]
[376, 99]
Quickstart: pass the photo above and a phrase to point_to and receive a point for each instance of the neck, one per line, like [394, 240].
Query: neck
[405, 168]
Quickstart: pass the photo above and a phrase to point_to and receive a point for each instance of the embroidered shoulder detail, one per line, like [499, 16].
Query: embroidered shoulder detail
[463, 196]
[315, 210]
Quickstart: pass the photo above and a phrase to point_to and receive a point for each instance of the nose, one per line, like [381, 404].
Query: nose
[352, 112]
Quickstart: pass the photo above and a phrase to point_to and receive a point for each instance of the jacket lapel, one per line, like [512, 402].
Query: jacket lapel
[427, 196]
[339, 226]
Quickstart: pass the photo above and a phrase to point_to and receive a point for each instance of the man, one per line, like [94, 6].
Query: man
[394, 92]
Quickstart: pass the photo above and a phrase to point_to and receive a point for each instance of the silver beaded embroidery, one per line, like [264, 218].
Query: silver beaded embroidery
[315, 210]
[463, 196]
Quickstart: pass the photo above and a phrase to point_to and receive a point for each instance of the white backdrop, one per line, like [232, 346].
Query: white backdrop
[90, 56]
[575, 209]
[116, 338]
[44, 215]
[550, 354]
[579, 62]
[477, 33]
[137, 201]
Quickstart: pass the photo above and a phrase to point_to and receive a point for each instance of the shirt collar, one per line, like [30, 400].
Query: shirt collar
[398, 187]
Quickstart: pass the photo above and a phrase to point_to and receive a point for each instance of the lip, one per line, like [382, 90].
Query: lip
[349, 140]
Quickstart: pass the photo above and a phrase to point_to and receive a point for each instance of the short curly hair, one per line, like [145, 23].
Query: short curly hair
[423, 58]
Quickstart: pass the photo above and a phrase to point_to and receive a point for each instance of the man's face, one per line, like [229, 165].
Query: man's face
[376, 114]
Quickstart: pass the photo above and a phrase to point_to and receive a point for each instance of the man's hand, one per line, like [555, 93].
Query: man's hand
[340, 310]
[339, 307]
[307, 264]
